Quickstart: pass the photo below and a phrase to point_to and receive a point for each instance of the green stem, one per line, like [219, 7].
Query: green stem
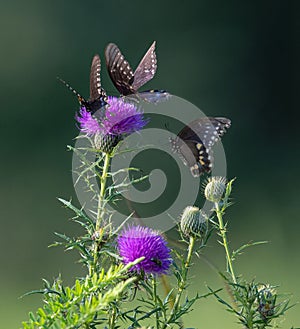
[154, 284]
[100, 209]
[112, 316]
[222, 230]
[103, 179]
[112, 319]
[167, 288]
[182, 283]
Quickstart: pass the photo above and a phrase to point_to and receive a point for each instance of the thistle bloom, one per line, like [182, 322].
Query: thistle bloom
[137, 241]
[119, 118]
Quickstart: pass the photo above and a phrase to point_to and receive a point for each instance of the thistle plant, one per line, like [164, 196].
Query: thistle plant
[119, 261]
[256, 305]
[126, 265]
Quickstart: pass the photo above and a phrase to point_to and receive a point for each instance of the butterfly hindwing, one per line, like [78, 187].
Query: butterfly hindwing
[150, 96]
[195, 156]
[194, 143]
[119, 70]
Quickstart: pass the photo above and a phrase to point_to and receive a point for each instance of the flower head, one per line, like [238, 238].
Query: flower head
[110, 124]
[119, 118]
[122, 118]
[137, 241]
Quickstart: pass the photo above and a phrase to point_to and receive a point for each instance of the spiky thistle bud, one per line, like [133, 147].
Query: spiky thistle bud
[215, 188]
[106, 143]
[266, 299]
[194, 222]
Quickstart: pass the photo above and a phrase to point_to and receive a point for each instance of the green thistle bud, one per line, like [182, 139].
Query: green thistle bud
[266, 299]
[194, 222]
[106, 143]
[215, 188]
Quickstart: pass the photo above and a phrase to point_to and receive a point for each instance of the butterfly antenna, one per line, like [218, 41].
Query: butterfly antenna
[80, 98]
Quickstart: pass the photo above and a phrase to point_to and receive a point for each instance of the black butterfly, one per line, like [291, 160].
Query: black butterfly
[128, 82]
[194, 143]
[97, 98]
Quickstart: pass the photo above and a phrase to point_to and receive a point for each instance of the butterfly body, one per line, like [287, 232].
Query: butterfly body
[94, 105]
[128, 82]
[97, 99]
[195, 141]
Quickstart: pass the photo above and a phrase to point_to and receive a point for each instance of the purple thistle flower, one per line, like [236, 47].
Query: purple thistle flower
[137, 241]
[119, 118]
[122, 117]
[88, 124]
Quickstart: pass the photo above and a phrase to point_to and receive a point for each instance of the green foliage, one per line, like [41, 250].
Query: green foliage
[255, 305]
[84, 305]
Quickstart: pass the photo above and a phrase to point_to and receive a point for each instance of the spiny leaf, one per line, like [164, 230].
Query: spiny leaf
[79, 212]
[247, 245]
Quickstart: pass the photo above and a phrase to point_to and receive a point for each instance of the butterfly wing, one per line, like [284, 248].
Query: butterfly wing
[96, 90]
[146, 68]
[194, 143]
[150, 96]
[119, 70]
[208, 130]
[194, 155]
[97, 98]
[127, 82]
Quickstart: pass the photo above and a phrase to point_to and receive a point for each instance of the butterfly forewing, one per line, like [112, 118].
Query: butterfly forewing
[119, 70]
[127, 82]
[206, 130]
[97, 98]
[146, 68]
[194, 143]
[95, 81]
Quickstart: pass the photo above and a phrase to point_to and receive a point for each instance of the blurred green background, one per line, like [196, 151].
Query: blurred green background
[239, 59]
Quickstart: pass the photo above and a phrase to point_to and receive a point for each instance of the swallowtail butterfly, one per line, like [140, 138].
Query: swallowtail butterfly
[195, 141]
